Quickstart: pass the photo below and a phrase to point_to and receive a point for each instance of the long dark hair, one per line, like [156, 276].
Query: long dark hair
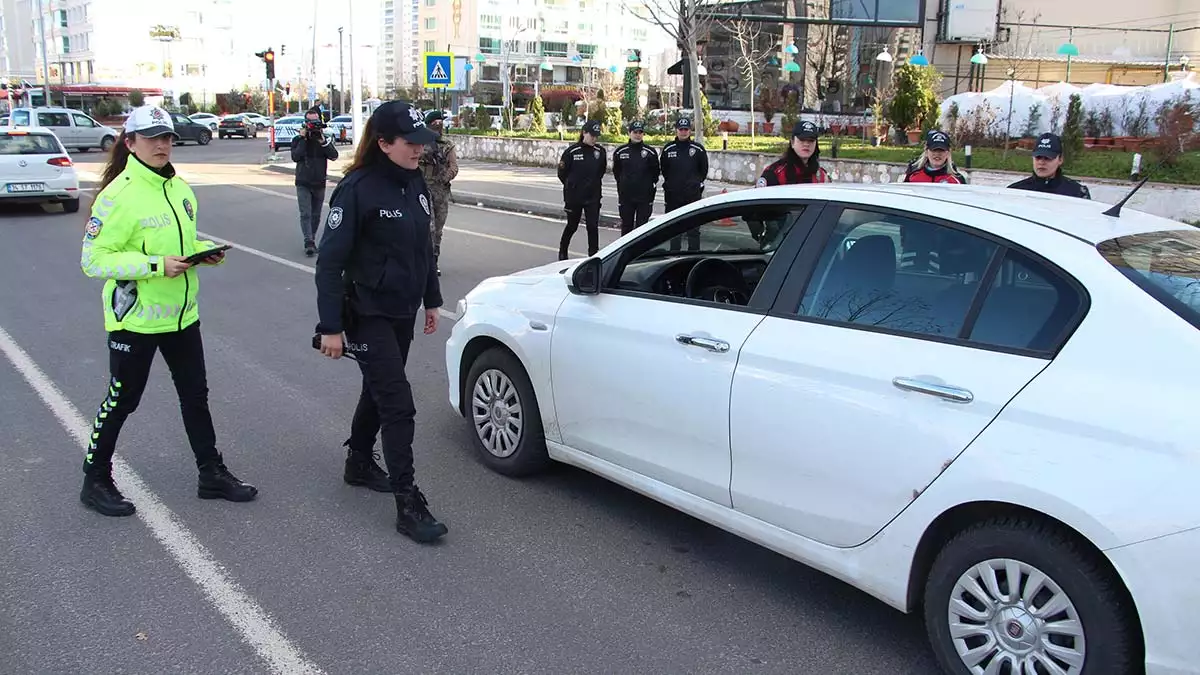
[369, 153]
[811, 166]
[118, 159]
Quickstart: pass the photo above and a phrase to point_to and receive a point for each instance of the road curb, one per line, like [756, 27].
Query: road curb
[514, 205]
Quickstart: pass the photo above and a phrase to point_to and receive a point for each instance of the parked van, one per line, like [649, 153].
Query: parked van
[75, 129]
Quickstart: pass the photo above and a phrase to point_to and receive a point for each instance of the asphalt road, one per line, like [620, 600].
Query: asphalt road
[563, 573]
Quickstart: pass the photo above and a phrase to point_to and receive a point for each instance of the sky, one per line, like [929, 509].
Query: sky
[264, 23]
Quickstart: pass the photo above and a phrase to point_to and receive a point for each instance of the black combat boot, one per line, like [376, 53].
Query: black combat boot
[100, 493]
[216, 482]
[361, 470]
[413, 517]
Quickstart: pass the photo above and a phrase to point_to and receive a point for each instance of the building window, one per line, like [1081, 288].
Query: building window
[554, 49]
[489, 22]
[585, 28]
[430, 23]
[586, 51]
[489, 45]
[430, 45]
[430, 3]
[66, 44]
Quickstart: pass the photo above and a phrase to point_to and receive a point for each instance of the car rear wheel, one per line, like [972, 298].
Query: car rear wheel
[71, 206]
[503, 412]
[1016, 595]
[204, 138]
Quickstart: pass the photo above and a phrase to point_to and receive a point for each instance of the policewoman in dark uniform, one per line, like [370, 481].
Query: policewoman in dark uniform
[684, 170]
[635, 167]
[375, 270]
[1047, 171]
[801, 162]
[581, 170]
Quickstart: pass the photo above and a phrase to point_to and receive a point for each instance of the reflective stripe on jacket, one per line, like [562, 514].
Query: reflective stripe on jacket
[136, 221]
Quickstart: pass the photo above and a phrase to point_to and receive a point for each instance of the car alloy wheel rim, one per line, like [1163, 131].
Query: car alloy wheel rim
[496, 409]
[1006, 612]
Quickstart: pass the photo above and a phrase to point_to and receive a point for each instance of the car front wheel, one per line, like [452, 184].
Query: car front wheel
[204, 138]
[503, 411]
[1020, 596]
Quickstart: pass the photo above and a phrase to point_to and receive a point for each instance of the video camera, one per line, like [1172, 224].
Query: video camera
[314, 125]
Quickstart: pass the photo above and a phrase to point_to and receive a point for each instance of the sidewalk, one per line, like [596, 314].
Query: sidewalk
[520, 189]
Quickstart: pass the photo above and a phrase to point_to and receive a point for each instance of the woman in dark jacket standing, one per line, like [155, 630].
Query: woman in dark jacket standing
[581, 171]
[801, 162]
[375, 271]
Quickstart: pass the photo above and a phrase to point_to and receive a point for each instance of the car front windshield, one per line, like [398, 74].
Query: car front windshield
[29, 144]
[1166, 265]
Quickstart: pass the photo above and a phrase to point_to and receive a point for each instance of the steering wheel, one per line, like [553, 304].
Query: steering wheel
[717, 280]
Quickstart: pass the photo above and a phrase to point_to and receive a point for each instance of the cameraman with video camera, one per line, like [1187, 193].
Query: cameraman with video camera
[311, 151]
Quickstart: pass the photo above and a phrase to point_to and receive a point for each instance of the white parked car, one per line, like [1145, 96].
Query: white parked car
[207, 119]
[975, 403]
[35, 168]
[288, 127]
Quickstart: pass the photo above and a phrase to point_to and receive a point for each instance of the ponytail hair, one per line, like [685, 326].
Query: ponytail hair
[368, 153]
[118, 158]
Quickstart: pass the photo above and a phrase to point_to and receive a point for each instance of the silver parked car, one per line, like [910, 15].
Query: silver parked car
[75, 129]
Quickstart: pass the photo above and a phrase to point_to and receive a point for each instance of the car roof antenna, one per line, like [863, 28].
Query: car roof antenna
[1115, 209]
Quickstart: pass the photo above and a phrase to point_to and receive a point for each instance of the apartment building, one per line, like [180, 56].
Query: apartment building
[177, 47]
[557, 44]
[408, 60]
[16, 49]
[386, 53]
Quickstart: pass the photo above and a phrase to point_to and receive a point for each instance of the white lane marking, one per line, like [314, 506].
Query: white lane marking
[290, 263]
[472, 233]
[250, 620]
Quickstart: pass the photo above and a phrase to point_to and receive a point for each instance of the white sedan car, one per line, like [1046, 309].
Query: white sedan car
[35, 168]
[974, 403]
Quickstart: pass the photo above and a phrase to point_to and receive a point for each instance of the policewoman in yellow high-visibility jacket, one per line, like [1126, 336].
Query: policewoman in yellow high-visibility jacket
[142, 227]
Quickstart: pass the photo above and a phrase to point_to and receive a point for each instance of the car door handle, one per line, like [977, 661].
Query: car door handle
[718, 346]
[955, 394]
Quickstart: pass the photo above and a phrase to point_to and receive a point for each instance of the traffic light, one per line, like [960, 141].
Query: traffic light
[283, 50]
[268, 57]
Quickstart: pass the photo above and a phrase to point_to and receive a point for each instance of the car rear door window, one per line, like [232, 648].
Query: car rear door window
[1028, 307]
[897, 273]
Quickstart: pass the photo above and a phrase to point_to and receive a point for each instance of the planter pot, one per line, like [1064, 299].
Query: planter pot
[728, 125]
[854, 130]
[835, 129]
[768, 127]
[914, 136]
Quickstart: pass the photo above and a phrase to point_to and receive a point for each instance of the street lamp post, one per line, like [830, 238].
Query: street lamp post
[341, 73]
[45, 61]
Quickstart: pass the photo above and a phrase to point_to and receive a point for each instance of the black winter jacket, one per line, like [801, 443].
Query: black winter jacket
[376, 250]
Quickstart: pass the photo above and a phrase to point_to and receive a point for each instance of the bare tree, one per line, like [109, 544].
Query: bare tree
[751, 60]
[685, 21]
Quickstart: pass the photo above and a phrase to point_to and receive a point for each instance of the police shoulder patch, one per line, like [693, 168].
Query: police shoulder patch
[191, 212]
[761, 182]
[425, 203]
[93, 227]
[335, 218]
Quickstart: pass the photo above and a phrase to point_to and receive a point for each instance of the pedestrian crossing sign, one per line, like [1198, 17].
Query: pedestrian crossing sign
[439, 69]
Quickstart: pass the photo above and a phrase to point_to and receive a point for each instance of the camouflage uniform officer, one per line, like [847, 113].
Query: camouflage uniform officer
[439, 164]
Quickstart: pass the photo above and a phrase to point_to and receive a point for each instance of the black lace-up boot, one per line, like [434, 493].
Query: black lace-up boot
[216, 482]
[363, 471]
[100, 493]
[413, 517]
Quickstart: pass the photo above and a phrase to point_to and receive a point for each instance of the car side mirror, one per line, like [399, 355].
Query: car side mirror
[585, 280]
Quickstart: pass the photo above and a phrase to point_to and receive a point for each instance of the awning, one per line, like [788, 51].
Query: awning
[100, 90]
